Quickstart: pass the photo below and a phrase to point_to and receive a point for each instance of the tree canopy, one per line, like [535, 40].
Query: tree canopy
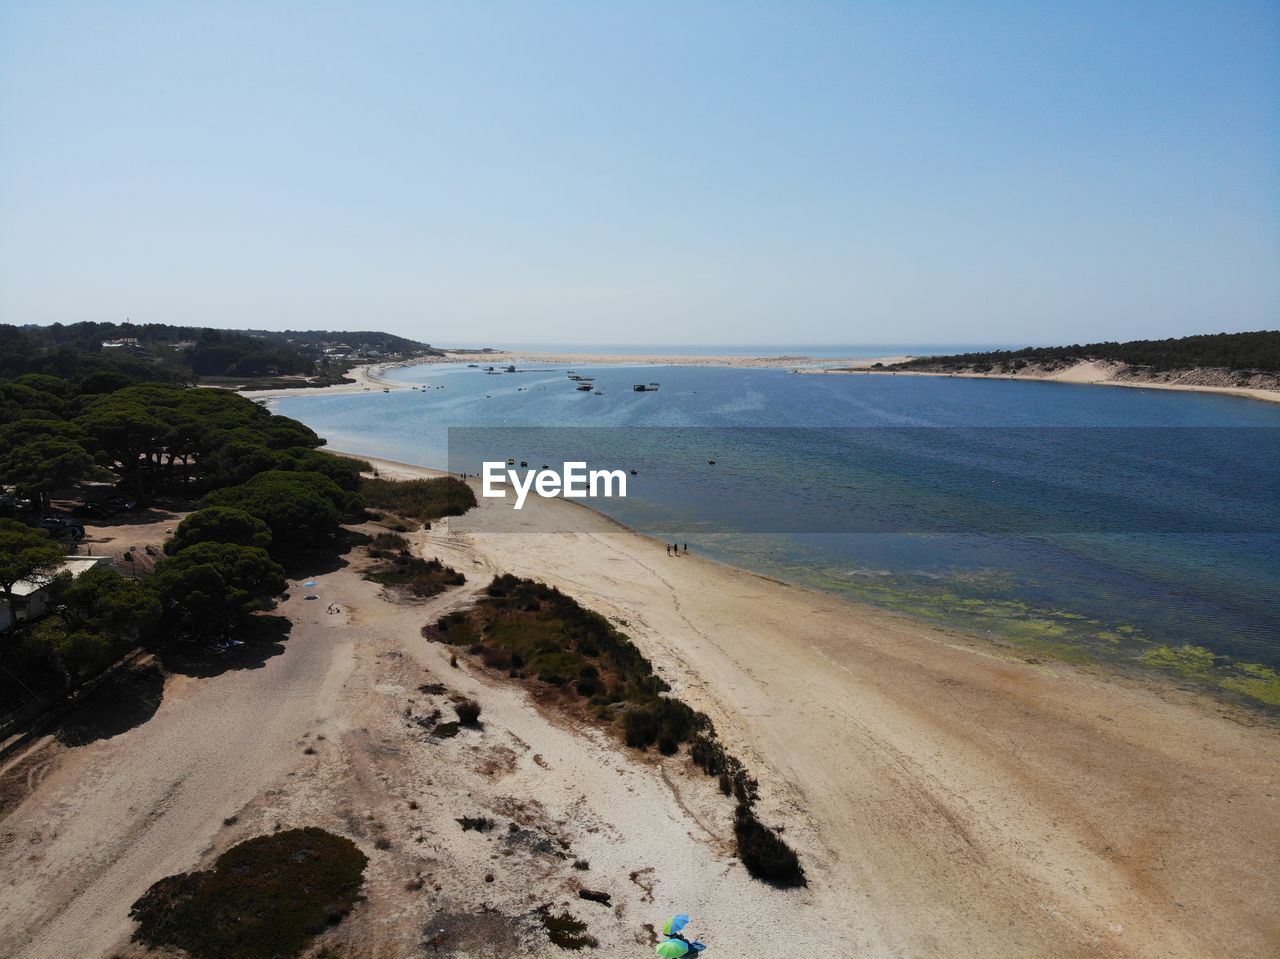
[210, 588]
[302, 509]
[26, 553]
[1232, 351]
[219, 524]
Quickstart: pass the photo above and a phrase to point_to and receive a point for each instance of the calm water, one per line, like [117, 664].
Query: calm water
[1063, 517]
[816, 350]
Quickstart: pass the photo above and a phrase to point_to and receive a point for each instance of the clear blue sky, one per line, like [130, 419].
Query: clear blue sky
[647, 172]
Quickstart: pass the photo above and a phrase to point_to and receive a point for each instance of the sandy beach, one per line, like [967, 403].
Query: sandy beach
[947, 796]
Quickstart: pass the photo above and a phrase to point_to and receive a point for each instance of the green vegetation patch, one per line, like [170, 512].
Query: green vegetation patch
[420, 577]
[424, 500]
[565, 931]
[1233, 351]
[265, 898]
[534, 632]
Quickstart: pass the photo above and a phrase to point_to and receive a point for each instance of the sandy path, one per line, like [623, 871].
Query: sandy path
[953, 796]
[121, 813]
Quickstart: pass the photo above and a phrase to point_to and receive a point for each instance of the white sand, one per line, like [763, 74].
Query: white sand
[947, 796]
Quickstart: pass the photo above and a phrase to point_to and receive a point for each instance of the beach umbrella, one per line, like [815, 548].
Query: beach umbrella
[671, 949]
[675, 924]
[310, 582]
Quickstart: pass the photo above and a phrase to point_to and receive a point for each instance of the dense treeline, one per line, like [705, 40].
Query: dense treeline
[184, 353]
[265, 490]
[1230, 351]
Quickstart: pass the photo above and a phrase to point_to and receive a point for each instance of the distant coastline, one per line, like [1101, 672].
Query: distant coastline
[1092, 373]
[374, 376]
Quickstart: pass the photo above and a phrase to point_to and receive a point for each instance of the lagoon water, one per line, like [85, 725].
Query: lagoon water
[1067, 518]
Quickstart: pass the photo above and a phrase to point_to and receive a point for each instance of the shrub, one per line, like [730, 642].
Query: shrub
[389, 541]
[565, 931]
[423, 500]
[764, 853]
[661, 718]
[468, 711]
[421, 577]
[264, 898]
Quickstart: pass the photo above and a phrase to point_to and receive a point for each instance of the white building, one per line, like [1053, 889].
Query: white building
[32, 599]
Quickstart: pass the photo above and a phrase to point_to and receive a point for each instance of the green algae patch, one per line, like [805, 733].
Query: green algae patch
[1193, 662]
[1254, 681]
[1051, 631]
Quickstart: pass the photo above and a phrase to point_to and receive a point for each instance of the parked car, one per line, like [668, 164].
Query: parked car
[61, 527]
[94, 511]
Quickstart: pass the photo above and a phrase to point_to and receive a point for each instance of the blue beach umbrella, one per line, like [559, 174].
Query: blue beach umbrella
[675, 924]
[309, 583]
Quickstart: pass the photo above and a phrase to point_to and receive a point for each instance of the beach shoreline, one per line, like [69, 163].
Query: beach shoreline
[1080, 374]
[969, 768]
[374, 377]
[944, 793]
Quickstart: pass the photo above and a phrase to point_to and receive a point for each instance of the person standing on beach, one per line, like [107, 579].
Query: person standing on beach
[668, 549]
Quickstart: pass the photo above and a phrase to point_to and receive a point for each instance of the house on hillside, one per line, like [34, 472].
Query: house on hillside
[31, 600]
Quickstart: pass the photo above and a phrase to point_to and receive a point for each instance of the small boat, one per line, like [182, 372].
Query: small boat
[584, 387]
[633, 472]
[386, 391]
[524, 464]
[642, 388]
[599, 392]
[711, 462]
[511, 462]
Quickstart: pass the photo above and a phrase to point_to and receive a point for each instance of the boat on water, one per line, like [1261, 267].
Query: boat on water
[584, 387]
[599, 392]
[646, 388]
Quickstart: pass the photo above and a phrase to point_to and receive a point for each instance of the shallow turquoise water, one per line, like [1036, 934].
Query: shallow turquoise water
[1047, 513]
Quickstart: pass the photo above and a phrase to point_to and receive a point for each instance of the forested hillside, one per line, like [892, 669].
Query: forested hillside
[188, 353]
[1224, 351]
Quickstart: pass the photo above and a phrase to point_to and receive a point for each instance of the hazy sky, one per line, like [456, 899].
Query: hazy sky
[646, 172]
